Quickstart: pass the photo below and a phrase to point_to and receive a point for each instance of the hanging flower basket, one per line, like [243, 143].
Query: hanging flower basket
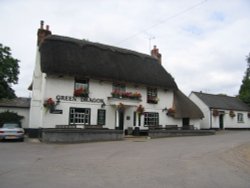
[170, 112]
[121, 107]
[49, 104]
[140, 109]
[215, 112]
[231, 114]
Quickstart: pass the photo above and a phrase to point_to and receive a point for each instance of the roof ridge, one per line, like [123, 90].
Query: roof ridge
[99, 45]
[222, 95]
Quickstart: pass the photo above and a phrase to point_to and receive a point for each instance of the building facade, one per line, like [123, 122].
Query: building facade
[20, 105]
[221, 111]
[81, 83]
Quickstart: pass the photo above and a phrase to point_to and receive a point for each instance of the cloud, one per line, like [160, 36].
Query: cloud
[203, 48]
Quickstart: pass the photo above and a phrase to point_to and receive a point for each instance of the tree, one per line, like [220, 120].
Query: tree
[244, 93]
[9, 70]
[10, 117]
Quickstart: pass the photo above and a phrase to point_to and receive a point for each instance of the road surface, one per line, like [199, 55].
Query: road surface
[218, 161]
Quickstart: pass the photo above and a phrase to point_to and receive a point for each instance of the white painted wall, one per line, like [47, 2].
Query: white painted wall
[21, 112]
[229, 122]
[205, 122]
[36, 104]
[102, 89]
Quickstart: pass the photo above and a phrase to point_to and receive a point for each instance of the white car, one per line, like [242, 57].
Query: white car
[11, 131]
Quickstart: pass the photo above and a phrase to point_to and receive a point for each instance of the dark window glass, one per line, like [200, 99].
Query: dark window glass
[81, 88]
[101, 117]
[152, 95]
[134, 118]
[79, 116]
[151, 119]
[119, 87]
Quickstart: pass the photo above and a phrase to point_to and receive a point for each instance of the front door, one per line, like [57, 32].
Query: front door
[121, 120]
[185, 123]
[221, 119]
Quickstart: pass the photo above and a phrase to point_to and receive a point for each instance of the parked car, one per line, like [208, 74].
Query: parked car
[11, 131]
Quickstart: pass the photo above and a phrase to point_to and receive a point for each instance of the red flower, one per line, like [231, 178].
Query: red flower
[79, 92]
[49, 102]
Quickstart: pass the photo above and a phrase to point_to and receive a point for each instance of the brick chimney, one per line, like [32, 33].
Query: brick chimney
[155, 53]
[42, 33]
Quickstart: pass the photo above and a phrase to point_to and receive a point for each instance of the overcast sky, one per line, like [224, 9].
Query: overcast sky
[204, 44]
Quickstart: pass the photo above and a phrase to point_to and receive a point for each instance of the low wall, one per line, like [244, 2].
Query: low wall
[174, 133]
[54, 135]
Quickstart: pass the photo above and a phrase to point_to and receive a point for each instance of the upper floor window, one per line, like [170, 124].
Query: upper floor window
[152, 95]
[119, 87]
[240, 118]
[118, 90]
[81, 88]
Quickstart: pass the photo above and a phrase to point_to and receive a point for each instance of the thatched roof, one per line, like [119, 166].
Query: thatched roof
[222, 102]
[20, 102]
[184, 107]
[80, 58]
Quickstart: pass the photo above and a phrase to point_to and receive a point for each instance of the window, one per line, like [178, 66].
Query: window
[81, 88]
[240, 118]
[101, 117]
[152, 95]
[79, 116]
[119, 87]
[151, 119]
[134, 118]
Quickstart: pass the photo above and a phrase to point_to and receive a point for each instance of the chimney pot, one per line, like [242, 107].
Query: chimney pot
[41, 24]
[155, 53]
[42, 33]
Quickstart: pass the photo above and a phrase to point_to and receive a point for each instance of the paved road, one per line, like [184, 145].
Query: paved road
[219, 161]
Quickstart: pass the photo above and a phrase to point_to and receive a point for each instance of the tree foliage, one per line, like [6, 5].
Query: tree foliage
[244, 93]
[9, 70]
[10, 117]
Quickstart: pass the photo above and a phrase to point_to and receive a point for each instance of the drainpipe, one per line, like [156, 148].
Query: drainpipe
[210, 110]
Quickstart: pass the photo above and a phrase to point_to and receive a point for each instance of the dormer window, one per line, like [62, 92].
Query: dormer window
[81, 88]
[152, 95]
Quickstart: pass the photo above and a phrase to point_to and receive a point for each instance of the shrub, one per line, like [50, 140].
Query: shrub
[10, 117]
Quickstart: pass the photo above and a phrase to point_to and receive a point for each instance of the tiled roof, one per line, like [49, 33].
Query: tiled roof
[20, 102]
[222, 102]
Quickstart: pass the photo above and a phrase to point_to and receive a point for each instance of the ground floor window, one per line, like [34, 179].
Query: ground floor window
[240, 118]
[101, 117]
[151, 119]
[79, 116]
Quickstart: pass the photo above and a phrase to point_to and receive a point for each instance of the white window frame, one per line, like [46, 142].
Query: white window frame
[240, 117]
[151, 119]
[79, 116]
